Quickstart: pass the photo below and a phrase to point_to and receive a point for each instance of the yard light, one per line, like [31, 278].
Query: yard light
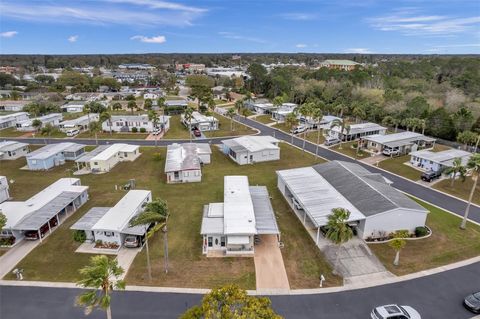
[322, 279]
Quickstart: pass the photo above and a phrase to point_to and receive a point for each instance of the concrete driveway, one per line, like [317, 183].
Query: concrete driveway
[15, 254]
[270, 271]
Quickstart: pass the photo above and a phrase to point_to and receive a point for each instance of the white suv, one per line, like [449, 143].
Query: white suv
[394, 312]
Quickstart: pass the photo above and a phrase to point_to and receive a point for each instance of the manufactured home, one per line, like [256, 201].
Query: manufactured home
[11, 120]
[103, 158]
[53, 155]
[403, 142]
[183, 163]
[125, 123]
[357, 131]
[438, 161]
[252, 149]
[80, 123]
[4, 194]
[201, 122]
[11, 150]
[27, 125]
[12, 106]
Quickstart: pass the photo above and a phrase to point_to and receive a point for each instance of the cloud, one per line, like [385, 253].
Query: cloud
[103, 12]
[155, 39]
[359, 50]
[234, 36]
[8, 34]
[301, 45]
[409, 22]
[298, 16]
[72, 38]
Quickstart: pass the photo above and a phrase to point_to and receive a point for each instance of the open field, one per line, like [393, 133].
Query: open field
[224, 128]
[177, 130]
[448, 244]
[188, 268]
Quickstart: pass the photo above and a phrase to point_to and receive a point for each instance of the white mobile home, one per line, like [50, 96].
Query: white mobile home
[377, 209]
[110, 225]
[280, 113]
[184, 162]
[105, 157]
[252, 149]
[4, 194]
[125, 123]
[404, 142]
[438, 161]
[11, 150]
[40, 214]
[357, 131]
[80, 123]
[12, 106]
[11, 120]
[229, 228]
[201, 122]
[27, 125]
[74, 106]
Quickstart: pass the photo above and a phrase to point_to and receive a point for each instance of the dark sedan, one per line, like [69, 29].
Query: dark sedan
[472, 302]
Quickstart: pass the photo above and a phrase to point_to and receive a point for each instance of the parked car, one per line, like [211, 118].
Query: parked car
[131, 241]
[296, 204]
[394, 311]
[33, 234]
[430, 176]
[329, 141]
[197, 132]
[390, 152]
[73, 132]
[299, 129]
[156, 131]
[472, 302]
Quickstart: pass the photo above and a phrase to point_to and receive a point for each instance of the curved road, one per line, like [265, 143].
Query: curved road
[435, 296]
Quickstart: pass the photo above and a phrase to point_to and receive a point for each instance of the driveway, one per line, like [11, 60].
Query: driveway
[270, 271]
[15, 254]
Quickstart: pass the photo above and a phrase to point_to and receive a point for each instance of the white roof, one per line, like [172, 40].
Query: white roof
[444, 157]
[182, 157]
[316, 196]
[16, 211]
[53, 149]
[254, 143]
[118, 217]
[361, 128]
[239, 216]
[19, 116]
[6, 146]
[388, 138]
[82, 120]
[114, 149]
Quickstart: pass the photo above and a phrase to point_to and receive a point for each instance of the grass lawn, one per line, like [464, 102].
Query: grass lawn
[11, 132]
[107, 135]
[224, 128]
[265, 119]
[460, 189]
[177, 130]
[347, 149]
[448, 244]
[395, 165]
[188, 267]
[310, 136]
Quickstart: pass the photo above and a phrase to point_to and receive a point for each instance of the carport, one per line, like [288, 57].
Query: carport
[265, 219]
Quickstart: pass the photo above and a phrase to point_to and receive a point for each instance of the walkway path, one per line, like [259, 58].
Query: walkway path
[125, 258]
[270, 271]
[15, 254]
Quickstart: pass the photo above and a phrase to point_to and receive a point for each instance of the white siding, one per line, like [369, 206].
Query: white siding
[392, 221]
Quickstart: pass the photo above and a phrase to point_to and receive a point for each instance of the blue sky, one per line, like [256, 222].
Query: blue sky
[140, 26]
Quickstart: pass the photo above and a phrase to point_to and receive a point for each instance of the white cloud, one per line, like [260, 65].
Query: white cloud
[409, 22]
[8, 34]
[358, 50]
[234, 36]
[72, 38]
[103, 12]
[155, 39]
[301, 45]
[298, 16]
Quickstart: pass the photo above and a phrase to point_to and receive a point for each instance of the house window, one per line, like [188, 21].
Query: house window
[95, 163]
[210, 242]
[108, 233]
[374, 144]
[232, 154]
[125, 154]
[222, 241]
[34, 162]
[186, 174]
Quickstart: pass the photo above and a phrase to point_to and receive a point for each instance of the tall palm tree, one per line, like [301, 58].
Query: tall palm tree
[423, 125]
[102, 276]
[457, 169]
[86, 110]
[188, 116]
[290, 121]
[278, 102]
[47, 130]
[152, 116]
[338, 232]
[473, 166]
[317, 116]
[344, 129]
[132, 105]
[359, 113]
[95, 127]
[156, 213]
[305, 110]
[231, 114]
[105, 116]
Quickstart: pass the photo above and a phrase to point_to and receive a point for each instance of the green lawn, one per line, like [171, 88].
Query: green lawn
[348, 149]
[224, 128]
[396, 165]
[448, 244]
[265, 119]
[107, 135]
[11, 132]
[177, 130]
[55, 259]
[311, 136]
[460, 189]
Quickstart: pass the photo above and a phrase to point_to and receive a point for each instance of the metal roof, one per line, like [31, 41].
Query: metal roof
[265, 220]
[11, 146]
[53, 149]
[239, 217]
[113, 150]
[87, 221]
[398, 139]
[252, 143]
[361, 128]
[119, 216]
[82, 120]
[444, 157]
[316, 195]
[212, 220]
[182, 157]
[86, 157]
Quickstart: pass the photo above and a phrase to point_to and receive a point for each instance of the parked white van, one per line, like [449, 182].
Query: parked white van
[73, 132]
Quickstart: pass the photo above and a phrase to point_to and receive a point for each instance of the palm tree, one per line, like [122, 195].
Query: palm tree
[338, 232]
[317, 116]
[105, 116]
[238, 106]
[86, 110]
[188, 116]
[344, 129]
[116, 106]
[456, 169]
[37, 124]
[132, 105]
[153, 117]
[423, 125]
[473, 166]
[359, 113]
[305, 110]
[156, 213]
[397, 244]
[339, 109]
[290, 121]
[277, 102]
[161, 104]
[94, 128]
[47, 130]
[102, 276]
[231, 114]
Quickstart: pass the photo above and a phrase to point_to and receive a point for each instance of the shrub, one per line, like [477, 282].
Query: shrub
[79, 236]
[134, 129]
[7, 241]
[355, 145]
[142, 130]
[421, 231]
[157, 157]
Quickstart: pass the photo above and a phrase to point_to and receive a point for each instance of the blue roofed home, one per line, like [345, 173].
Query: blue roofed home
[53, 155]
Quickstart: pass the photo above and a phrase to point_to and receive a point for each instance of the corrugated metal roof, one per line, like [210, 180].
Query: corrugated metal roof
[252, 143]
[361, 128]
[212, 224]
[444, 157]
[185, 156]
[90, 218]
[239, 217]
[265, 220]
[11, 146]
[86, 157]
[53, 149]
[114, 149]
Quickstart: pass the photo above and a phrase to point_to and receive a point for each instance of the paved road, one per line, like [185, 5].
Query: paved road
[437, 296]
[427, 194]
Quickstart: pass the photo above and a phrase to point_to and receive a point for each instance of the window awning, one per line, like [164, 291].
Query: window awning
[238, 240]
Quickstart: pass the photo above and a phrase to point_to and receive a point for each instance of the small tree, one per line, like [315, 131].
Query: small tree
[188, 117]
[344, 129]
[95, 127]
[152, 116]
[231, 114]
[105, 116]
[398, 243]
[291, 121]
[132, 105]
[37, 124]
[47, 131]
[231, 302]
[116, 106]
[147, 104]
[338, 232]
[457, 169]
[102, 277]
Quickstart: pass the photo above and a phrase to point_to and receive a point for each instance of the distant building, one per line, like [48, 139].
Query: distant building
[27, 125]
[11, 150]
[404, 142]
[345, 65]
[125, 123]
[74, 107]
[136, 66]
[12, 106]
[357, 131]
[11, 120]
